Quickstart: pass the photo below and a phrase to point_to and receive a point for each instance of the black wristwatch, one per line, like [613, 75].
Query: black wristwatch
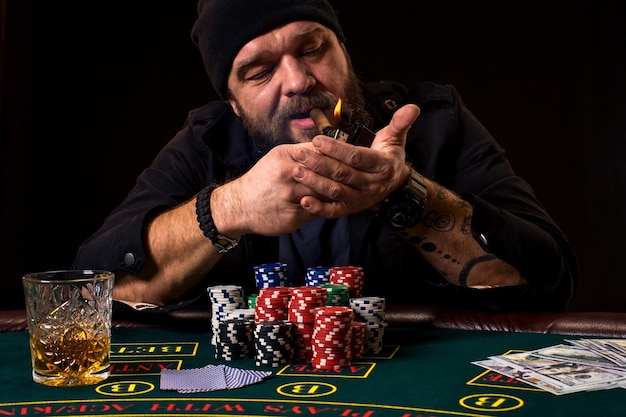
[403, 208]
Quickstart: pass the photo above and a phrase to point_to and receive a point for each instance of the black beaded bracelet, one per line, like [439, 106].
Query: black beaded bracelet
[205, 220]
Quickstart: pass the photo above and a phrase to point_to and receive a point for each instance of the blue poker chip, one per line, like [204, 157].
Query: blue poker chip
[273, 266]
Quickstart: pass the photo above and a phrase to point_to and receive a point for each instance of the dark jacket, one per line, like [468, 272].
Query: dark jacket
[446, 144]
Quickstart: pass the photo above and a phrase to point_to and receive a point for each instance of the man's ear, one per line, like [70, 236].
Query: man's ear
[233, 105]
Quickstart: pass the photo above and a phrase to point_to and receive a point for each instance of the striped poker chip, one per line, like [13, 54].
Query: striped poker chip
[224, 298]
[357, 340]
[334, 311]
[271, 267]
[234, 340]
[271, 275]
[370, 310]
[303, 336]
[317, 276]
[331, 339]
[252, 300]
[273, 342]
[353, 276]
[304, 301]
[338, 294]
[329, 346]
[274, 292]
[239, 313]
[330, 364]
[272, 303]
[327, 322]
[374, 335]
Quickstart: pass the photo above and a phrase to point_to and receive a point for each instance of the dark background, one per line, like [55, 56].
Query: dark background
[91, 90]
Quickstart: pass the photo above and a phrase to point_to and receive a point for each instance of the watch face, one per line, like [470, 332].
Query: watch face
[402, 213]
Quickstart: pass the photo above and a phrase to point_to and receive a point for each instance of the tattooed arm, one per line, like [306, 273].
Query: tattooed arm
[444, 238]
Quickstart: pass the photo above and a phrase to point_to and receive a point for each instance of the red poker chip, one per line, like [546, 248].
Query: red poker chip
[272, 302]
[329, 366]
[345, 326]
[329, 358]
[347, 319]
[327, 336]
[331, 332]
[305, 327]
[353, 276]
[274, 292]
[319, 334]
[331, 343]
[330, 362]
[302, 309]
[334, 310]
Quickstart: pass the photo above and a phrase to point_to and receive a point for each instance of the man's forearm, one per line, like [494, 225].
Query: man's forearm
[178, 256]
[444, 238]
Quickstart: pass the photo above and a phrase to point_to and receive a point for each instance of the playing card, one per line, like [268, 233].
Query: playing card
[185, 381]
[237, 378]
[209, 378]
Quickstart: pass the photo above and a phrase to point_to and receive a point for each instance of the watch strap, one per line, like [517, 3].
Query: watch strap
[417, 186]
[403, 207]
[205, 220]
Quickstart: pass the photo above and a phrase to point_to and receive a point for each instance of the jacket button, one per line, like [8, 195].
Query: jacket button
[391, 105]
[129, 259]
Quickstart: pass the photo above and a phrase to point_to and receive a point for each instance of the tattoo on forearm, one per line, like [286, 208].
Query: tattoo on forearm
[430, 247]
[466, 225]
[468, 268]
[441, 221]
[464, 204]
[445, 221]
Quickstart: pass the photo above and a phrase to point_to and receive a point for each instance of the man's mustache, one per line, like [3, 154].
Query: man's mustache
[320, 100]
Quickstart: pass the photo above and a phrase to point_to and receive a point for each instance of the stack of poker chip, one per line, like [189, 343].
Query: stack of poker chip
[234, 339]
[316, 276]
[272, 304]
[332, 336]
[338, 294]
[352, 276]
[371, 311]
[273, 343]
[302, 305]
[358, 339]
[271, 275]
[239, 314]
[224, 298]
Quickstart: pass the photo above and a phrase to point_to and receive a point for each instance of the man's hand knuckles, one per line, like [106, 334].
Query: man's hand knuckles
[334, 191]
[342, 174]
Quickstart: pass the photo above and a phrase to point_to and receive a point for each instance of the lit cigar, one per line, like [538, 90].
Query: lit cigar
[362, 135]
[321, 121]
[325, 127]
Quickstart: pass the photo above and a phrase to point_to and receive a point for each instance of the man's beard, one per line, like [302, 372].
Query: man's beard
[267, 133]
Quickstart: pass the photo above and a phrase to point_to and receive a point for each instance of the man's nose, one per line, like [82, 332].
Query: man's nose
[297, 77]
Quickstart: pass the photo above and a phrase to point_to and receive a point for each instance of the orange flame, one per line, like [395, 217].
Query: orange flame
[337, 111]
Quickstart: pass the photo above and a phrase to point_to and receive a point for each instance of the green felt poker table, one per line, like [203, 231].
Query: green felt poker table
[423, 370]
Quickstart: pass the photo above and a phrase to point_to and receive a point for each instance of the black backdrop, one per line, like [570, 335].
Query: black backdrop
[91, 90]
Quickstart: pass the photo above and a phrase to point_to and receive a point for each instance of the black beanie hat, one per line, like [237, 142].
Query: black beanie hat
[223, 27]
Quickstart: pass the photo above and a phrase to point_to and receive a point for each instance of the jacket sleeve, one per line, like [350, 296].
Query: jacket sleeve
[450, 146]
[184, 166]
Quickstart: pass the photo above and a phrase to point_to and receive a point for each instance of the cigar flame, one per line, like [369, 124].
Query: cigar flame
[337, 111]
